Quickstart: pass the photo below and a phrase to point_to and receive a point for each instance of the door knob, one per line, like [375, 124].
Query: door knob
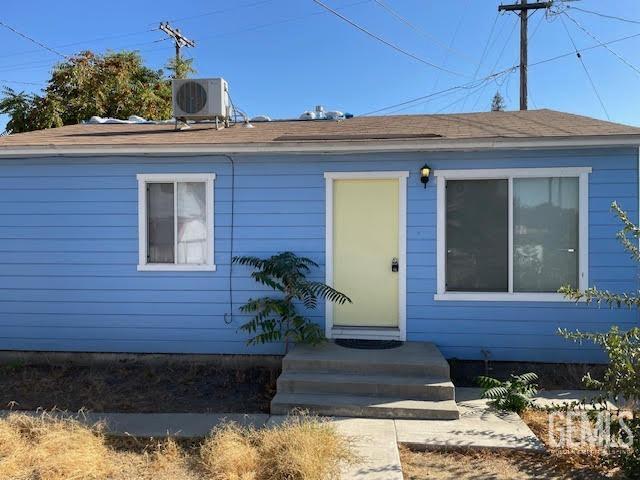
[394, 265]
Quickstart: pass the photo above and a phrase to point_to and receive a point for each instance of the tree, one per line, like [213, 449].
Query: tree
[116, 84]
[621, 380]
[181, 67]
[497, 104]
[276, 319]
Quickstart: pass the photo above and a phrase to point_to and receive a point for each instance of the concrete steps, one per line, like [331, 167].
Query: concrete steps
[420, 388]
[336, 405]
[410, 382]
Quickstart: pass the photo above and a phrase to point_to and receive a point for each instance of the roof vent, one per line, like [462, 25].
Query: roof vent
[308, 115]
[261, 118]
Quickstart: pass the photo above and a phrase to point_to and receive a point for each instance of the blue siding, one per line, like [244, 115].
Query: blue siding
[68, 254]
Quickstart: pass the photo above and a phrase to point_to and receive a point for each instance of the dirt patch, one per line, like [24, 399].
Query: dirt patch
[552, 376]
[137, 387]
[582, 461]
[486, 465]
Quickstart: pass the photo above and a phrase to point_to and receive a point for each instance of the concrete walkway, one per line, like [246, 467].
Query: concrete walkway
[375, 440]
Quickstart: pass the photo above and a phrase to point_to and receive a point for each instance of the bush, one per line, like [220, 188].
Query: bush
[621, 380]
[513, 395]
[276, 319]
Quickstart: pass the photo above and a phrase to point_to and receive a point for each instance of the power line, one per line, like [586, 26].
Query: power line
[604, 15]
[222, 10]
[497, 62]
[501, 73]
[421, 31]
[613, 52]
[32, 40]
[385, 42]
[586, 71]
[445, 59]
[484, 52]
[18, 82]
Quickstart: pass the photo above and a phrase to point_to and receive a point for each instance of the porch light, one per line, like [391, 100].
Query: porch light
[425, 171]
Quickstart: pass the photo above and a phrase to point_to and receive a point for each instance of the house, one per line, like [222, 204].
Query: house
[118, 238]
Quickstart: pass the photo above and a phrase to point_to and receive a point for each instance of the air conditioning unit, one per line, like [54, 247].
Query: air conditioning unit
[201, 99]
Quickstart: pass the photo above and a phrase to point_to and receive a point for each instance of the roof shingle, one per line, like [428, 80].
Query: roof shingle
[484, 125]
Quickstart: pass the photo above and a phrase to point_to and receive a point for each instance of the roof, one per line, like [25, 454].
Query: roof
[493, 129]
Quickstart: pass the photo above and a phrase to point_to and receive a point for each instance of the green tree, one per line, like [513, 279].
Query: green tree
[276, 318]
[116, 84]
[497, 103]
[621, 380]
[181, 67]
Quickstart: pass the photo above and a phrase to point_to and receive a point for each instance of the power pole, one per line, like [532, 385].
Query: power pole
[178, 38]
[523, 8]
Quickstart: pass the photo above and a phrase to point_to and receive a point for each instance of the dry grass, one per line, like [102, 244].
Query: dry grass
[229, 454]
[302, 448]
[50, 447]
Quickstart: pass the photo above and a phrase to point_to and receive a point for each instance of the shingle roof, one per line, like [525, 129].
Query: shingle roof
[532, 124]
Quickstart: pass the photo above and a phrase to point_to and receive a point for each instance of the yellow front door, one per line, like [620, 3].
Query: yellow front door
[365, 246]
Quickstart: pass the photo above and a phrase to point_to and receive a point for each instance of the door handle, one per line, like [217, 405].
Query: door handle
[394, 265]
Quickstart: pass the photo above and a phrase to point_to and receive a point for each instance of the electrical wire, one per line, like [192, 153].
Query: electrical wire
[484, 52]
[613, 52]
[18, 82]
[385, 42]
[604, 15]
[501, 73]
[215, 12]
[32, 40]
[421, 31]
[586, 71]
[495, 65]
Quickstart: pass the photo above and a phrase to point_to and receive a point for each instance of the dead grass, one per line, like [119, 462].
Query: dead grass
[230, 454]
[302, 448]
[49, 447]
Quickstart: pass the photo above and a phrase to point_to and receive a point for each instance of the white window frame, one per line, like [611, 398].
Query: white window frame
[175, 178]
[582, 173]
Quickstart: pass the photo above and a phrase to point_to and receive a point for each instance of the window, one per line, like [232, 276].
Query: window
[516, 234]
[175, 216]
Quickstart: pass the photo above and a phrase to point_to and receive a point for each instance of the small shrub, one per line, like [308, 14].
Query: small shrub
[277, 319]
[229, 454]
[302, 448]
[513, 395]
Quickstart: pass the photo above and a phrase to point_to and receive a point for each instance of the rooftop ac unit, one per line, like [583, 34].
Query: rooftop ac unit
[201, 99]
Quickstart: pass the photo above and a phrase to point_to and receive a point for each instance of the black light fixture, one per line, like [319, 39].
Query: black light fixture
[425, 171]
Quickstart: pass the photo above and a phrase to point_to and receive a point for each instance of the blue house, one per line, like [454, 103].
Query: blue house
[452, 229]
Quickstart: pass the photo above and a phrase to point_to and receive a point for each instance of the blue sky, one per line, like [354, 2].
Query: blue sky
[282, 57]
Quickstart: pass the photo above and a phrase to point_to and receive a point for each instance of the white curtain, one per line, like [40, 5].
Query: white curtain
[192, 223]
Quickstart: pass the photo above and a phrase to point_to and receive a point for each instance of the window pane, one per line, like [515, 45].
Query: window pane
[477, 235]
[192, 223]
[160, 223]
[545, 234]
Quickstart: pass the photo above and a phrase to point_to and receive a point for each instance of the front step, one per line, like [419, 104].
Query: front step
[418, 388]
[411, 359]
[411, 381]
[336, 405]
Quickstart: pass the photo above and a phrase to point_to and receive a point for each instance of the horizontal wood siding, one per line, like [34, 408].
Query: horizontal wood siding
[69, 240]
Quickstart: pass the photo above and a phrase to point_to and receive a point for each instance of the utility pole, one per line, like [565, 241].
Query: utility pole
[178, 38]
[523, 8]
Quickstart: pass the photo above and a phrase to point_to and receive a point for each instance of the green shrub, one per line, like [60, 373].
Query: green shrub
[621, 380]
[513, 395]
[276, 319]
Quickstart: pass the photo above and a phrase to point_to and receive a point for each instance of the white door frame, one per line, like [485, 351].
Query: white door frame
[399, 333]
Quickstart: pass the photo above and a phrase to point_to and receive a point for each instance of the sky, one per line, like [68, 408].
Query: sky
[282, 57]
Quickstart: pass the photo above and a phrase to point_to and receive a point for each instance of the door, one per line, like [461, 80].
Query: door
[366, 251]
